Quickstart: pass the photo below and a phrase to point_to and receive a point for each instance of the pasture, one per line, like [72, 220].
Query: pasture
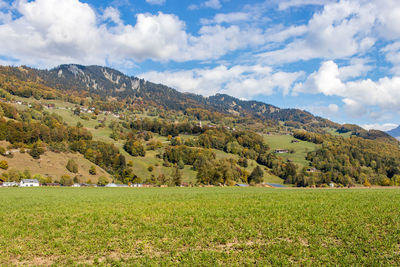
[301, 148]
[199, 226]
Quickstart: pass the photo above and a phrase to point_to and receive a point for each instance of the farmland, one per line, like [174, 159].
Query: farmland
[199, 226]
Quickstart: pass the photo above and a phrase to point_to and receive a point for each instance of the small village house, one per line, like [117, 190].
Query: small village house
[10, 184]
[29, 183]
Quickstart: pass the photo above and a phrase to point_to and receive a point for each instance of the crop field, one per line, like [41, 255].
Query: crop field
[199, 226]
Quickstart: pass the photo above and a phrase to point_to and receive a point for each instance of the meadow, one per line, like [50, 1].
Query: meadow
[301, 148]
[199, 226]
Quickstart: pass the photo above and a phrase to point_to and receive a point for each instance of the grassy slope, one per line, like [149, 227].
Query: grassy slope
[140, 164]
[335, 132]
[199, 226]
[284, 142]
[53, 165]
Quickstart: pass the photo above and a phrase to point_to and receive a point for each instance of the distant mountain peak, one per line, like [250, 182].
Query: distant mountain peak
[395, 132]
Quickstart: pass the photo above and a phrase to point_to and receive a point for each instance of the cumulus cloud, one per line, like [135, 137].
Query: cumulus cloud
[241, 81]
[341, 30]
[357, 94]
[45, 34]
[156, 2]
[382, 127]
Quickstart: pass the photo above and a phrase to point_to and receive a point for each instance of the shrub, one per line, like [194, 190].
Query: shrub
[2, 151]
[66, 180]
[102, 181]
[93, 170]
[4, 165]
[72, 166]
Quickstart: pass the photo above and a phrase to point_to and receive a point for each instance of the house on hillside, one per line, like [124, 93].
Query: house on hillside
[281, 151]
[29, 183]
[10, 184]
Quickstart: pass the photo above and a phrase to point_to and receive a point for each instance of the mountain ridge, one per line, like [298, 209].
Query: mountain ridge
[110, 83]
[395, 132]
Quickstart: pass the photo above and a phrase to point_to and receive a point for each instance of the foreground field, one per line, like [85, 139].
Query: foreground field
[199, 226]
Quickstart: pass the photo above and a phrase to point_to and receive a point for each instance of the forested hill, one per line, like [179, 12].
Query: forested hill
[109, 83]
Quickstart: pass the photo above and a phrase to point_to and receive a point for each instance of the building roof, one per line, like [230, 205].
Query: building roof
[25, 181]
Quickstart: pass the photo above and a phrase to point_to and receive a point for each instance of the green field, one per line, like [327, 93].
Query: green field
[284, 142]
[199, 226]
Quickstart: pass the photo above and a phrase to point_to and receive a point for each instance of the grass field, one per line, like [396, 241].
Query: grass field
[284, 142]
[199, 226]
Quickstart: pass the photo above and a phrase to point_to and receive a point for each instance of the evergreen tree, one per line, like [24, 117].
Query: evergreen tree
[176, 176]
[256, 176]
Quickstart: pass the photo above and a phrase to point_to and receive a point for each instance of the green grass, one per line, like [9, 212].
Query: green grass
[284, 142]
[333, 131]
[199, 226]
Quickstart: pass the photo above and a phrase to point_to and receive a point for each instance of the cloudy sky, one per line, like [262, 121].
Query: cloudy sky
[337, 59]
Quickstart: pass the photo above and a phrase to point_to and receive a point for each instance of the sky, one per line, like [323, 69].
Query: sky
[337, 59]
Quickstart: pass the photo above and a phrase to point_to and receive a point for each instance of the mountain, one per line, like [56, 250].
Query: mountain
[109, 83]
[395, 132]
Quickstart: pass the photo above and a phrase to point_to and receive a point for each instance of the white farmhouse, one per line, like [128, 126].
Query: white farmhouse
[10, 184]
[29, 183]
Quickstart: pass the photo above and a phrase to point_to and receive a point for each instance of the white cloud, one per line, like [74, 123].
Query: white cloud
[358, 67]
[156, 2]
[240, 81]
[3, 4]
[228, 18]
[382, 127]
[159, 36]
[327, 111]
[216, 4]
[356, 95]
[113, 15]
[280, 34]
[341, 30]
[393, 56]
[294, 3]
[45, 34]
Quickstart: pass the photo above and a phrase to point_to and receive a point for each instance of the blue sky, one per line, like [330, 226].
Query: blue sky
[336, 59]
